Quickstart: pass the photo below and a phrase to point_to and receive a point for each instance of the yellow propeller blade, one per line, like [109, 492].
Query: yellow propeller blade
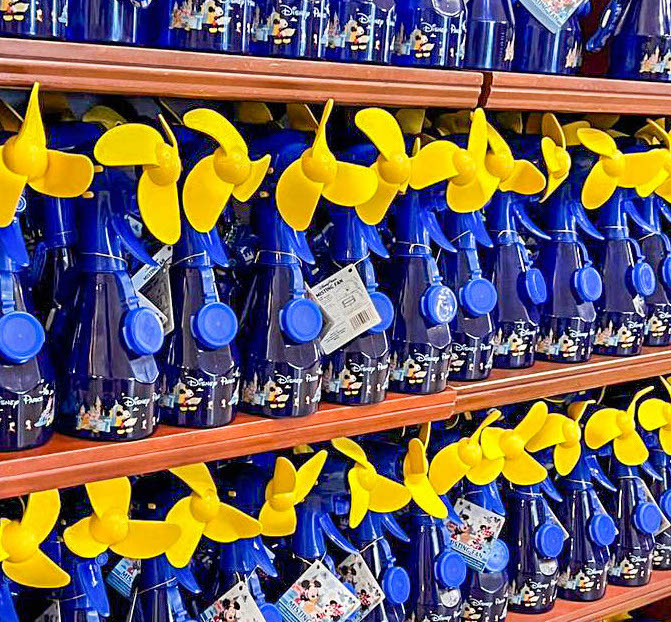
[432, 164]
[525, 179]
[372, 211]
[597, 141]
[350, 448]
[415, 479]
[41, 513]
[231, 524]
[641, 167]
[654, 414]
[566, 456]
[108, 495]
[382, 130]
[68, 175]
[307, 475]
[12, 189]
[630, 449]
[37, 571]
[411, 120]
[204, 202]
[147, 539]
[218, 127]
[297, 196]
[599, 187]
[347, 186]
[79, 540]
[524, 470]
[602, 427]
[571, 132]
[552, 433]
[197, 477]
[359, 498]
[552, 129]
[244, 191]
[131, 144]
[254, 113]
[164, 222]
[300, 117]
[532, 422]
[388, 495]
[179, 554]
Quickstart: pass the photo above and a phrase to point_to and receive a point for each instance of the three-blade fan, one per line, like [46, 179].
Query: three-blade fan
[556, 157]
[109, 527]
[318, 173]
[416, 480]
[655, 414]
[228, 170]
[660, 184]
[22, 559]
[202, 512]
[287, 488]
[368, 489]
[25, 159]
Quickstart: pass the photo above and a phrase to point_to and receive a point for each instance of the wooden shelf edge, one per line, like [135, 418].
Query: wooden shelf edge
[67, 461]
[617, 600]
[547, 379]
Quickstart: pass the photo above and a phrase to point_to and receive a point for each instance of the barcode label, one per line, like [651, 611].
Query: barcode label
[360, 319]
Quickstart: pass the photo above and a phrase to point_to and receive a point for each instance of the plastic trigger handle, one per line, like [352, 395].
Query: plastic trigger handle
[7, 608]
[631, 211]
[521, 213]
[214, 247]
[583, 222]
[134, 246]
[598, 473]
[91, 577]
[373, 239]
[186, 578]
[610, 18]
[430, 223]
[334, 535]
[479, 230]
[390, 523]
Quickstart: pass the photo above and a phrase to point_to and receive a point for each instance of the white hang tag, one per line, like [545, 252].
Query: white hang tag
[317, 595]
[51, 614]
[354, 570]
[553, 15]
[123, 575]
[348, 306]
[236, 604]
[665, 524]
[474, 538]
[152, 284]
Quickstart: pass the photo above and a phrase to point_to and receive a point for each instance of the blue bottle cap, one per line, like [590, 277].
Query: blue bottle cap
[214, 325]
[588, 284]
[535, 285]
[478, 296]
[385, 309]
[450, 569]
[438, 304]
[647, 518]
[396, 585]
[498, 557]
[142, 331]
[549, 540]
[666, 271]
[665, 503]
[270, 612]
[21, 336]
[643, 278]
[102, 559]
[301, 320]
[602, 530]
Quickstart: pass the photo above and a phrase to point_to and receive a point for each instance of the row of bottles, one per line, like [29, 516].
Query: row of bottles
[500, 35]
[131, 288]
[505, 510]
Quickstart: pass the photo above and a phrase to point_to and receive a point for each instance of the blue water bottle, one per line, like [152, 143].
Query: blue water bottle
[490, 40]
[43, 19]
[110, 21]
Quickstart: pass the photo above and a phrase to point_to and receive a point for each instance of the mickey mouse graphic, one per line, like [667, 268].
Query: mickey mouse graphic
[625, 337]
[186, 400]
[349, 382]
[356, 35]
[529, 597]
[421, 47]
[229, 612]
[279, 29]
[334, 610]
[309, 597]
[275, 395]
[414, 372]
[15, 10]
[213, 14]
[567, 346]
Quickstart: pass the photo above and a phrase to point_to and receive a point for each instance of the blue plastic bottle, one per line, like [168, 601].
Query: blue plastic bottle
[641, 39]
[521, 288]
[109, 385]
[361, 31]
[110, 21]
[627, 280]
[660, 487]
[420, 335]
[85, 598]
[358, 373]
[490, 40]
[430, 33]
[538, 50]
[473, 328]
[568, 315]
[44, 19]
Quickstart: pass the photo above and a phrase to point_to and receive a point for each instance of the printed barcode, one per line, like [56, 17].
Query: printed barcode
[361, 318]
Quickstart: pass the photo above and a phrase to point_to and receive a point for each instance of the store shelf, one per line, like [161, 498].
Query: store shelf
[521, 91]
[547, 379]
[617, 600]
[138, 71]
[66, 461]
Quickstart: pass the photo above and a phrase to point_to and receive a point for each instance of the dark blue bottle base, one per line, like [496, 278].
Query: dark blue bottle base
[658, 325]
[661, 554]
[619, 334]
[514, 345]
[485, 597]
[418, 368]
[585, 584]
[564, 340]
[535, 593]
[631, 570]
[472, 357]
[355, 379]
[450, 612]
[26, 419]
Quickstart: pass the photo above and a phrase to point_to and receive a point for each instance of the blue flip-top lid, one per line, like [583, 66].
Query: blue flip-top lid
[647, 517]
[450, 569]
[439, 304]
[643, 278]
[385, 309]
[479, 296]
[549, 540]
[21, 336]
[602, 529]
[215, 325]
[588, 283]
[396, 585]
[535, 286]
[498, 557]
[665, 503]
[301, 320]
[143, 331]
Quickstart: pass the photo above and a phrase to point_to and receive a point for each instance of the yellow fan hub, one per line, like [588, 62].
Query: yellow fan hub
[571, 431]
[25, 158]
[204, 508]
[511, 444]
[19, 544]
[563, 161]
[469, 453]
[282, 501]
[234, 167]
[321, 167]
[614, 165]
[111, 528]
[501, 165]
[625, 423]
[168, 168]
[395, 170]
[466, 167]
[367, 477]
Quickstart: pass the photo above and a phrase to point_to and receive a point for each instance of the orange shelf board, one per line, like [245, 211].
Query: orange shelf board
[521, 91]
[617, 600]
[85, 67]
[508, 386]
[66, 461]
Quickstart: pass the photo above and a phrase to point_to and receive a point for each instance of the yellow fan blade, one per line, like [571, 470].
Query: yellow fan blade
[353, 185]
[68, 175]
[129, 145]
[477, 137]
[159, 207]
[642, 167]
[598, 188]
[664, 190]
[382, 130]
[474, 195]
[307, 475]
[373, 211]
[601, 427]
[300, 117]
[511, 121]
[571, 132]
[415, 468]
[244, 191]
[630, 449]
[424, 433]
[12, 188]
[411, 120]
[602, 120]
[645, 190]
[631, 409]
[319, 148]
[447, 469]
[489, 441]
[255, 113]
[31, 134]
[297, 196]
[485, 472]
[553, 184]
[79, 540]
[552, 129]
[109, 494]
[147, 538]
[217, 126]
[524, 470]
[350, 448]
[597, 141]
[525, 179]
[415, 462]
[665, 439]
[552, 433]
[532, 422]
[359, 498]
[284, 477]
[549, 151]
[432, 164]
[388, 495]
[277, 523]
[37, 571]
[181, 552]
[576, 410]
[204, 195]
[566, 457]
[41, 513]
[197, 477]
[654, 414]
[105, 116]
[231, 524]
[493, 415]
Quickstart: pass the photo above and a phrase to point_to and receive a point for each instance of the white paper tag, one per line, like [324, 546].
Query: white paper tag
[348, 307]
[152, 284]
[474, 537]
[123, 575]
[317, 595]
[51, 614]
[353, 569]
[236, 604]
[553, 15]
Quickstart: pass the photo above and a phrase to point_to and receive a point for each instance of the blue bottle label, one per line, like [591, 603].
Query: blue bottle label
[619, 334]
[661, 555]
[658, 325]
[583, 582]
[449, 609]
[472, 357]
[26, 418]
[564, 340]
[354, 378]
[418, 368]
[486, 607]
[514, 344]
[630, 569]
[655, 55]
[535, 593]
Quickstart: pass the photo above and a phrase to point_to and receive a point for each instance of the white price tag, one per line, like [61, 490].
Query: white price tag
[152, 284]
[236, 604]
[123, 575]
[51, 614]
[353, 569]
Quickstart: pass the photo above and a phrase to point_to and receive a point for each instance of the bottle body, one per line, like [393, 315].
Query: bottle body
[657, 304]
[486, 596]
[110, 21]
[490, 43]
[43, 19]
